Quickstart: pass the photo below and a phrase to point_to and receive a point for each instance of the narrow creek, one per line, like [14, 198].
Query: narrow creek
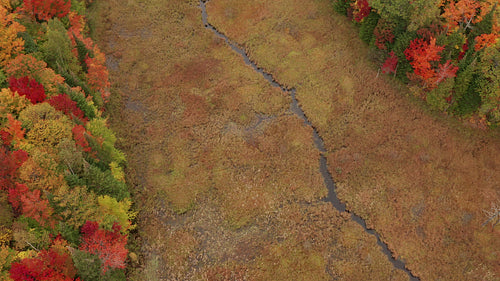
[318, 141]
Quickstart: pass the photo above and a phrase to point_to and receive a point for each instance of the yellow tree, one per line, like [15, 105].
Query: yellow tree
[10, 44]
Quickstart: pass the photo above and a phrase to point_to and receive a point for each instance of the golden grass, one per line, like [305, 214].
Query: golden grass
[420, 179]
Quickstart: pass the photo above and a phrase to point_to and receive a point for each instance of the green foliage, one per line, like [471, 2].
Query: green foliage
[57, 49]
[115, 275]
[112, 211]
[74, 81]
[437, 97]
[483, 27]
[367, 26]
[463, 80]
[400, 44]
[70, 156]
[103, 183]
[470, 101]
[452, 45]
[341, 6]
[105, 147]
[79, 7]
[7, 256]
[401, 10]
[83, 52]
[30, 46]
[3, 80]
[88, 265]
[488, 84]
[28, 233]
[75, 205]
[69, 233]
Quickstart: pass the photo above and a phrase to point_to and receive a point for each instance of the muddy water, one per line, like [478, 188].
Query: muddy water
[327, 177]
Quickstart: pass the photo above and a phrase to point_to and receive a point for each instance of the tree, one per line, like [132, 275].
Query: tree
[460, 14]
[30, 88]
[57, 49]
[407, 12]
[27, 65]
[9, 165]
[445, 71]
[65, 104]
[111, 211]
[12, 102]
[108, 245]
[361, 9]
[10, 44]
[33, 206]
[80, 135]
[45, 10]
[383, 33]
[421, 53]
[52, 264]
[13, 132]
[485, 40]
[390, 63]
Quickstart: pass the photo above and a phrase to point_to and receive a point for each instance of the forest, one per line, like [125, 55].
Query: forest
[138, 144]
[447, 51]
[64, 204]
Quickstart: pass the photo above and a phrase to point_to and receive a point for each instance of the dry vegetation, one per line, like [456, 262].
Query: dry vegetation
[225, 178]
[422, 180]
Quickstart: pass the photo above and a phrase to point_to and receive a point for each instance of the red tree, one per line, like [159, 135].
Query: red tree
[108, 245]
[390, 63]
[421, 53]
[15, 194]
[444, 71]
[47, 9]
[79, 135]
[69, 107]
[48, 265]
[361, 9]
[30, 88]
[35, 207]
[9, 163]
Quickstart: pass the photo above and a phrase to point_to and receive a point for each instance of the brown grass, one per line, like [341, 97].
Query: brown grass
[421, 179]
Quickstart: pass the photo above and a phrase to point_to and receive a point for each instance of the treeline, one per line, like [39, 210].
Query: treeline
[64, 205]
[447, 51]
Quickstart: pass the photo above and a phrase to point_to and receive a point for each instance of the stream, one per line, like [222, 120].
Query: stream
[318, 141]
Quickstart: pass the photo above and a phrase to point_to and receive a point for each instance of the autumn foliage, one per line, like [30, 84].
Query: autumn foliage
[361, 9]
[437, 46]
[48, 157]
[30, 88]
[51, 264]
[46, 9]
[108, 245]
[10, 44]
[65, 104]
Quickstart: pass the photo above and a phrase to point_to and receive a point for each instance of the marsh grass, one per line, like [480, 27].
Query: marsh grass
[418, 177]
[226, 180]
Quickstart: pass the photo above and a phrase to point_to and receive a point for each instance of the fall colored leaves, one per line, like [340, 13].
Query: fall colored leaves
[67, 207]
